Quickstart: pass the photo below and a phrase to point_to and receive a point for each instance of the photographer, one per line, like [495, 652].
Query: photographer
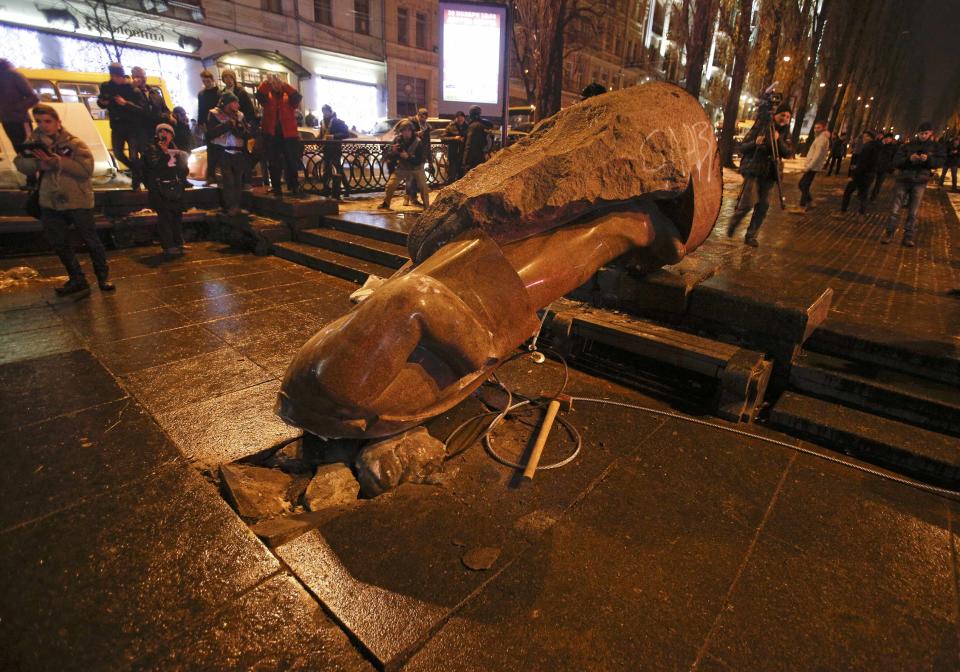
[760, 168]
[915, 160]
[66, 196]
[408, 151]
[333, 131]
[125, 105]
[165, 169]
[454, 134]
[228, 131]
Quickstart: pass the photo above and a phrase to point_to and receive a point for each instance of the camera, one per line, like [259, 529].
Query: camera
[28, 148]
[770, 100]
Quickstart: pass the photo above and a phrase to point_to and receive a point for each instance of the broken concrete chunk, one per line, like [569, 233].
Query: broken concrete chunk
[256, 492]
[282, 529]
[410, 457]
[480, 559]
[332, 485]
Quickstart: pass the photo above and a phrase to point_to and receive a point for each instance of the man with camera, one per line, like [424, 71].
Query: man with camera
[915, 160]
[761, 166]
[408, 151]
[125, 105]
[65, 164]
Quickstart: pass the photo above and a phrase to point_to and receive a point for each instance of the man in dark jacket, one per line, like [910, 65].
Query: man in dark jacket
[409, 152]
[423, 130]
[16, 99]
[333, 131]
[454, 136]
[863, 172]
[207, 99]
[915, 161]
[888, 149]
[760, 172]
[837, 150]
[475, 142]
[951, 161]
[165, 173]
[125, 105]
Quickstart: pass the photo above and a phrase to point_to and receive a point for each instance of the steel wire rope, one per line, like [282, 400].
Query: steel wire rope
[509, 407]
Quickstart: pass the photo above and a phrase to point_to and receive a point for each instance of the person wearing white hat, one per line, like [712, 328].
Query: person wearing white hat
[166, 176]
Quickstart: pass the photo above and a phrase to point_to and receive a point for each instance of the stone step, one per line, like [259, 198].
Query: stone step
[361, 247]
[575, 330]
[328, 261]
[898, 351]
[878, 390]
[915, 452]
[385, 227]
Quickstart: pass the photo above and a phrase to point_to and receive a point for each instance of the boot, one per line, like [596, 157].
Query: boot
[105, 285]
[886, 236]
[908, 239]
[383, 206]
[73, 287]
[336, 188]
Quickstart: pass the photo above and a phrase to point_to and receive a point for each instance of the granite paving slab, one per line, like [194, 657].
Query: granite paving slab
[38, 343]
[161, 389]
[142, 352]
[93, 587]
[58, 463]
[26, 387]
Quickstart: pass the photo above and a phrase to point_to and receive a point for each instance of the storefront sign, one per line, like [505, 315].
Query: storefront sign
[102, 20]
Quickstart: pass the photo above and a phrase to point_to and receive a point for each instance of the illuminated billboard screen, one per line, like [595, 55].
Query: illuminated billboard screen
[472, 38]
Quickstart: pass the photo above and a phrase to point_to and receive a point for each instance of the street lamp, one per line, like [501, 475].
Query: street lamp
[822, 84]
[839, 85]
[786, 59]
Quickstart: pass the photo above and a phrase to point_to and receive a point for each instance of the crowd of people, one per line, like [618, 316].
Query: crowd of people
[874, 156]
[239, 130]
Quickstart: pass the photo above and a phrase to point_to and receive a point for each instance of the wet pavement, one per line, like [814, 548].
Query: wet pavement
[664, 545]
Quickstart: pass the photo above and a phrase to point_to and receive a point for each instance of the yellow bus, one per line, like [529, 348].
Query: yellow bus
[61, 86]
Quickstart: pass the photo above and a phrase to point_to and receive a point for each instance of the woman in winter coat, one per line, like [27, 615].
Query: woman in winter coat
[166, 176]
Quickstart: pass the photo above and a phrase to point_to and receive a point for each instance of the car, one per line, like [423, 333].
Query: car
[382, 131]
[197, 161]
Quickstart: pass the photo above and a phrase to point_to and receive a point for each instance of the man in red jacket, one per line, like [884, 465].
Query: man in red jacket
[279, 126]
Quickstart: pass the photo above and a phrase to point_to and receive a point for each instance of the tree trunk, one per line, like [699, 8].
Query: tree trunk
[809, 72]
[740, 57]
[771, 69]
[697, 47]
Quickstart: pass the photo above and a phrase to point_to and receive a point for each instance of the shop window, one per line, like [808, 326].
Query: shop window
[322, 12]
[361, 14]
[45, 90]
[403, 25]
[411, 94]
[421, 30]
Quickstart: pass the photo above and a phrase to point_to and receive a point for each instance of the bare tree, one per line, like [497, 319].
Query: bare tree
[813, 59]
[741, 55]
[698, 41]
[544, 33]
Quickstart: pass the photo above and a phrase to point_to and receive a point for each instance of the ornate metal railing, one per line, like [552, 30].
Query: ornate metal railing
[364, 164]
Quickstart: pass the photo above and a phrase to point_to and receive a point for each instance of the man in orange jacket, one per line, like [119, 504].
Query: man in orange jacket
[279, 101]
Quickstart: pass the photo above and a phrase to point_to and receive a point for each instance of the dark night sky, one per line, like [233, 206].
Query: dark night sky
[934, 27]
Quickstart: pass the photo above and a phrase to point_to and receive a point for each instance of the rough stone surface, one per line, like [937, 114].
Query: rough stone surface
[652, 140]
[410, 457]
[332, 485]
[256, 492]
[480, 559]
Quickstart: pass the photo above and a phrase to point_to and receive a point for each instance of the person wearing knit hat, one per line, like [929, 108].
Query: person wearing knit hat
[760, 168]
[229, 79]
[228, 132]
[207, 99]
[915, 161]
[165, 171]
[124, 104]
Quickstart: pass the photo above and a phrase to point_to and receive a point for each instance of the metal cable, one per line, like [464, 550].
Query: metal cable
[944, 492]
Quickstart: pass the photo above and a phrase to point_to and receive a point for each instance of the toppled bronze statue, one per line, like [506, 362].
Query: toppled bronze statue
[631, 176]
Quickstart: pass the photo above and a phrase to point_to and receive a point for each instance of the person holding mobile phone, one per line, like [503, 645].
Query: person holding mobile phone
[65, 164]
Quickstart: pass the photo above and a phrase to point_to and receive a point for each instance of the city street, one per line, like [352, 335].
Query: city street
[665, 545]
